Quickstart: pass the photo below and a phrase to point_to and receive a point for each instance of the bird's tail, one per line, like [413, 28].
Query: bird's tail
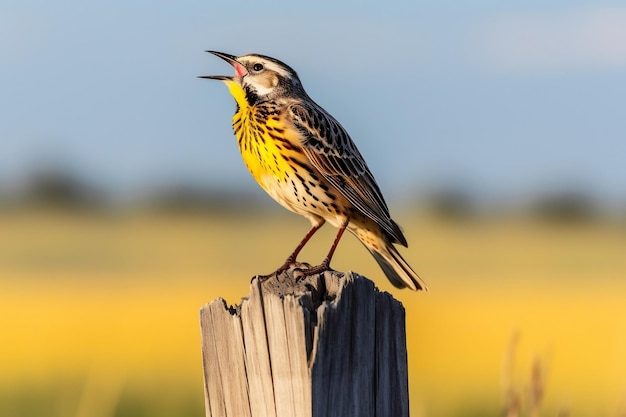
[395, 267]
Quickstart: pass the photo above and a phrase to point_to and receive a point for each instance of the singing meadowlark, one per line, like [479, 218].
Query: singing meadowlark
[305, 160]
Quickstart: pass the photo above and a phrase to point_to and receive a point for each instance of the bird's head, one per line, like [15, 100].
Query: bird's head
[258, 78]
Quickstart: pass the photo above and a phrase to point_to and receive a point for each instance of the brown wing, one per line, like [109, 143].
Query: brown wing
[330, 149]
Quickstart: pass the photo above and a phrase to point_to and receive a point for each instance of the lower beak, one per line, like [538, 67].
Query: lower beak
[216, 77]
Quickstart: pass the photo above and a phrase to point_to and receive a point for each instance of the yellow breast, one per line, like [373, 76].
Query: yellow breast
[259, 138]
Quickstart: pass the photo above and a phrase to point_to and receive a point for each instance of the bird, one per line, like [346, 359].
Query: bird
[306, 161]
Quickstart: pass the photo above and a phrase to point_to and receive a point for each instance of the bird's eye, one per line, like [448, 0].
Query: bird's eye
[257, 67]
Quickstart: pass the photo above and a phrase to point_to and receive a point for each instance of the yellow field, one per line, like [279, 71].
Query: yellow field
[98, 316]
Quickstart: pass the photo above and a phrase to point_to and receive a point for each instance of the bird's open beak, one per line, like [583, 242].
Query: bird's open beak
[240, 70]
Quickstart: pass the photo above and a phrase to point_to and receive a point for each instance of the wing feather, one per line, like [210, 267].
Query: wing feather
[330, 149]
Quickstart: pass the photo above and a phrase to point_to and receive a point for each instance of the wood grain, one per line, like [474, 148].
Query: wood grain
[324, 345]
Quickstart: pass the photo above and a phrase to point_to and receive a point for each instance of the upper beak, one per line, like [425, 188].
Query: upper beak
[240, 71]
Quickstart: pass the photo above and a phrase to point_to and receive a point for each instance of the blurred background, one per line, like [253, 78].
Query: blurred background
[496, 131]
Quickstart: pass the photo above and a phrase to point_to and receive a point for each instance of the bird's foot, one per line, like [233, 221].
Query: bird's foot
[289, 264]
[299, 270]
[318, 269]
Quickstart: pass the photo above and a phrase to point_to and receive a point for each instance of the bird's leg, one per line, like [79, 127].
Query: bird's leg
[292, 258]
[325, 265]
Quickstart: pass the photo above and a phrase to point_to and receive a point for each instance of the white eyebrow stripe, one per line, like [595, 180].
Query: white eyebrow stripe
[280, 70]
[267, 64]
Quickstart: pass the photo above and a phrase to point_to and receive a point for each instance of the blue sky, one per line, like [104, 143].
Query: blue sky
[509, 98]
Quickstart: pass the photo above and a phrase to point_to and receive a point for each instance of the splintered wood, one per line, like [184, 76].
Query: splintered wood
[326, 345]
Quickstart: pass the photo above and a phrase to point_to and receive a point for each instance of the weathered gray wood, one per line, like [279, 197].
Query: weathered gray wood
[321, 346]
[225, 361]
[257, 359]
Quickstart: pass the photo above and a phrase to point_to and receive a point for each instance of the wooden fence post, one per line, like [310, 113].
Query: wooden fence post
[323, 346]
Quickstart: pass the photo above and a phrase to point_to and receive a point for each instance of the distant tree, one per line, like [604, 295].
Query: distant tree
[451, 203]
[186, 198]
[565, 207]
[59, 188]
